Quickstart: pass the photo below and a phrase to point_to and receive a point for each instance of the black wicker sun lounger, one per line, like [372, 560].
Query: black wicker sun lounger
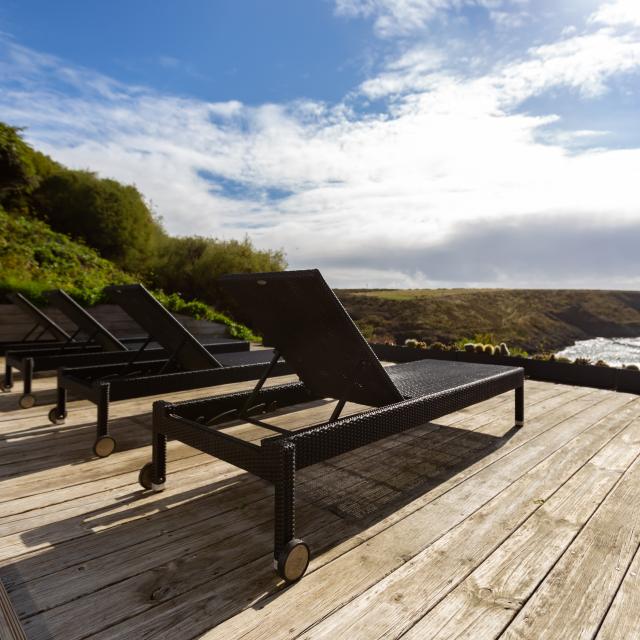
[100, 348]
[44, 332]
[189, 365]
[300, 316]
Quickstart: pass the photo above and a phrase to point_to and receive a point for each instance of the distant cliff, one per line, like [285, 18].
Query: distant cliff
[532, 319]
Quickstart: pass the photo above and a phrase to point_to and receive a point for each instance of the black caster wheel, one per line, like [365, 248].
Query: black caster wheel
[145, 478]
[27, 401]
[104, 446]
[293, 560]
[7, 387]
[55, 417]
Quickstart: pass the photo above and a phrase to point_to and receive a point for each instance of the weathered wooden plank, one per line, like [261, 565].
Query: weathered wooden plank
[488, 599]
[357, 469]
[189, 615]
[578, 591]
[391, 606]
[137, 558]
[623, 618]
[32, 586]
[10, 627]
[209, 581]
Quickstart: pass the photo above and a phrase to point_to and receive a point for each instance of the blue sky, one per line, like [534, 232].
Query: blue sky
[388, 142]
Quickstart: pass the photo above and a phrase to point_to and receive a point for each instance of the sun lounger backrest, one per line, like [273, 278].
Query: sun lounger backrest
[38, 316]
[84, 320]
[299, 315]
[162, 327]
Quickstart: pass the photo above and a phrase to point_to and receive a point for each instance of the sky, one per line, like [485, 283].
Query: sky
[390, 143]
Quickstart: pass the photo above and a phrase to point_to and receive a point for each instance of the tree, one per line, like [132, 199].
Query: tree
[111, 217]
[17, 173]
[191, 265]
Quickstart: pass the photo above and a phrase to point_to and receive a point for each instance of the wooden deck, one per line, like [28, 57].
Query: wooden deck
[461, 529]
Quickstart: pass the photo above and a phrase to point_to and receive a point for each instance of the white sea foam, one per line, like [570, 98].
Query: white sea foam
[614, 351]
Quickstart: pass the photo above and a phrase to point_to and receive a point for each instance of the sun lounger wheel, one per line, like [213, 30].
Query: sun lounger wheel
[145, 478]
[293, 560]
[104, 446]
[55, 417]
[27, 401]
[7, 387]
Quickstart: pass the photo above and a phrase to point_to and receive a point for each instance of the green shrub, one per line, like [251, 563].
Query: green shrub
[488, 349]
[367, 330]
[632, 367]
[601, 363]
[484, 338]
[34, 258]
[110, 217]
[438, 346]
[412, 343]
[17, 173]
[562, 359]
[469, 347]
[201, 311]
[582, 361]
[479, 348]
[504, 350]
[192, 265]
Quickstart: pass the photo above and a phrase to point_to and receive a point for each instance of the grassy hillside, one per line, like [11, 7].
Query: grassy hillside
[34, 258]
[535, 320]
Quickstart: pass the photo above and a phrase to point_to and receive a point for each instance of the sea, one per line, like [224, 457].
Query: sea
[614, 351]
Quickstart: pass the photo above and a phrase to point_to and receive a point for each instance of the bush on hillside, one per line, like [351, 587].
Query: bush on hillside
[33, 258]
[191, 265]
[201, 311]
[17, 172]
[22, 169]
[108, 216]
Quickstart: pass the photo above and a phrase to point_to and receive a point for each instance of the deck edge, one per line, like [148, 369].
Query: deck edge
[9, 621]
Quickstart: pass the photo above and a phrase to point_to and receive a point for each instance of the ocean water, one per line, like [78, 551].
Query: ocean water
[614, 351]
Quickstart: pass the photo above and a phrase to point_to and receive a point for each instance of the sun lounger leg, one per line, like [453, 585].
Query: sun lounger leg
[153, 475]
[27, 400]
[104, 444]
[28, 375]
[8, 377]
[519, 406]
[58, 414]
[291, 556]
[159, 461]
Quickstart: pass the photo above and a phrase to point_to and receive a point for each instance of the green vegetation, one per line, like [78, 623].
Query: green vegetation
[527, 320]
[75, 230]
[192, 265]
[34, 258]
[201, 311]
[17, 172]
[105, 214]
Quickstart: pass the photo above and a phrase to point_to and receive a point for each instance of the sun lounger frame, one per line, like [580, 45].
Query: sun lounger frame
[100, 349]
[140, 377]
[277, 458]
[41, 326]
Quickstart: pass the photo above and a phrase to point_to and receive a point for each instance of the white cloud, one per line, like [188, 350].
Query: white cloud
[411, 71]
[401, 17]
[619, 12]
